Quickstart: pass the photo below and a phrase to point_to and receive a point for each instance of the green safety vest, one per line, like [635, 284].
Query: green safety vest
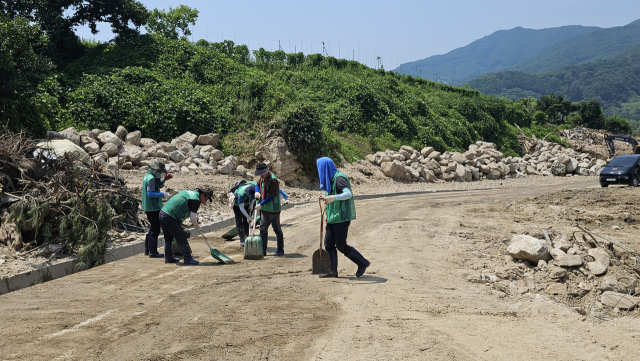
[241, 190]
[274, 205]
[150, 204]
[177, 206]
[340, 211]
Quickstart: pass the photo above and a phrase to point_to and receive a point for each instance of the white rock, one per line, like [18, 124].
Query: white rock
[108, 137]
[92, 148]
[134, 138]
[110, 148]
[528, 248]
[188, 137]
[121, 132]
[216, 155]
[618, 300]
[209, 139]
[177, 156]
[426, 151]
[556, 289]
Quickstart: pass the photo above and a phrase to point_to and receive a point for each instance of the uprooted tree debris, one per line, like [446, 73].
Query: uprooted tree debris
[47, 199]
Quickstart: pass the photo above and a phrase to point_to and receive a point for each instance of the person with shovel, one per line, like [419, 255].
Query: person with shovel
[152, 204]
[270, 206]
[341, 210]
[178, 208]
[243, 204]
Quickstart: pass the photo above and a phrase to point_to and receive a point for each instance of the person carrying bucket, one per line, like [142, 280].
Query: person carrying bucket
[270, 206]
[243, 203]
[178, 208]
[152, 204]
[341, 210]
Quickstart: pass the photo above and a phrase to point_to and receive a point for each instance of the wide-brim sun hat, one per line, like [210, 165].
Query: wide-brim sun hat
[158, 165]
[261, 169]
[208, 192]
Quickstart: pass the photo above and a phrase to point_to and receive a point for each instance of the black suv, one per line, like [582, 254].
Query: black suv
[624, 169]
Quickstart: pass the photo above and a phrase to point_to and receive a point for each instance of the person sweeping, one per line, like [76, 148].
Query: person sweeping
[152, 204]
[243, 202]
[178, 208]
[341, 210]
[270, 206]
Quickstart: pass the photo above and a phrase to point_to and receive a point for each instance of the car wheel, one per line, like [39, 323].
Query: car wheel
[604, 185]
[634, 181]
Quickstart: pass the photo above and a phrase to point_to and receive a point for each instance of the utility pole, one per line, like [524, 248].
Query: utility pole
[354, 55]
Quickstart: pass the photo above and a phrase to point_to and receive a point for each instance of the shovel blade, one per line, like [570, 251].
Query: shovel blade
[253, 247]
[230, 233]
[321, 263]
[221, 257]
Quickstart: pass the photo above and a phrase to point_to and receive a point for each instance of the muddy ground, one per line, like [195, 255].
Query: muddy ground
[415, 302]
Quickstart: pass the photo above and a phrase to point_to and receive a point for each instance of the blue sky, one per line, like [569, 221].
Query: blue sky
[398, 31]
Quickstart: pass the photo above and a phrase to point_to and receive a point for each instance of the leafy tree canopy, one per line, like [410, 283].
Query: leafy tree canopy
[169, 23]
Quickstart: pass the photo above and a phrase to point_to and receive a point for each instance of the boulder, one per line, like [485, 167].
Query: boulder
[568, 261]
[188, 137]
[133, 138]
[109, 138]
[618, 300]
[411, 174]
[224, 169]
[601, 263]
[493, 174]
[147, 143]
[216, 155]
[405, 154]
[434, 155]
[558, 168]
[92, 148]
[557, 273]
[72, 135]
[393, 169]
[527, 248]
[458, 157]
[177, 156]
[205, 151]
[121, 132]
[127, 165]
[563, 158]
[184, 147]
[110, 149]
[426, 151]
[571, 165]
[209, 139]
[133, 152]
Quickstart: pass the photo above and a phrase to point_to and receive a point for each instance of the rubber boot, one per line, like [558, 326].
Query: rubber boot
[168, 254]
[187, 255]
[333, 262]
[265, 240]
[146, 245]
[358, 259]
[153, 248]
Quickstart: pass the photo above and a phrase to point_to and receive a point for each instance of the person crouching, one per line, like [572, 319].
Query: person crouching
[178, 208]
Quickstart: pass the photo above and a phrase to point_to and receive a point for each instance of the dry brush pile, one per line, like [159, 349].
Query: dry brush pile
[55, 200]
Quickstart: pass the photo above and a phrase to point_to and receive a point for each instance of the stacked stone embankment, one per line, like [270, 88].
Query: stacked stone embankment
[483, 160]
[186, 153]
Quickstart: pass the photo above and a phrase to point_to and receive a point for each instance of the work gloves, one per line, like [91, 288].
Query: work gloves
[166, 195]
[258, 207]
[329, 199]
[168, 176]
[257, 195]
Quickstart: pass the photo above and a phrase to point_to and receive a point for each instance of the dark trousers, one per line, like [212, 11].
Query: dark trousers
[273, 219]
[242, 224]
[336, 237]
[172, 229]
[154, 220]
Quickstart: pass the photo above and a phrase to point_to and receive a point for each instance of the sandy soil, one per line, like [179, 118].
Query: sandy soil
[415, 302]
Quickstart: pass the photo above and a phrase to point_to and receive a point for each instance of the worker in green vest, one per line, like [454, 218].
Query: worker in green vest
[341, 210]
[269, 195]
[152, 204]
[243, 204]
[178, 208]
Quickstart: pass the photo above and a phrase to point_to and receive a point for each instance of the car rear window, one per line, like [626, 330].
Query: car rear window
[622, 162]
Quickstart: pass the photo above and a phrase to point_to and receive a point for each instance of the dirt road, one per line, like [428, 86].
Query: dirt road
[414, 303]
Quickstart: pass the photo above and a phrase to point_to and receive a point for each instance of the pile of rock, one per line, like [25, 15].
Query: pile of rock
[577, 269]
[187, 153]
[482, 160]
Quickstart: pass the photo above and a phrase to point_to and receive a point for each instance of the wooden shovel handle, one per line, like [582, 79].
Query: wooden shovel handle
[322, 210]
[255, 217]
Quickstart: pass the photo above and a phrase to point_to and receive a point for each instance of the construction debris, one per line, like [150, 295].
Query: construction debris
[49, 197]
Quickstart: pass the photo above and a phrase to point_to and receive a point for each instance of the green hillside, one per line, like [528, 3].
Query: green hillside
[596, 45]
[498, 51]
[614, 82]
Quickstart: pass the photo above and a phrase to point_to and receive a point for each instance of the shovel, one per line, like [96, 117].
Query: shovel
[320, 258]
[215, 253]
[253, 243]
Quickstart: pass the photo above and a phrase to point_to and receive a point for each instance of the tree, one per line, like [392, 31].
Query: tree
[59, 18]
[21, 70]
[592, 114]
[167, 23]
[617, 124]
